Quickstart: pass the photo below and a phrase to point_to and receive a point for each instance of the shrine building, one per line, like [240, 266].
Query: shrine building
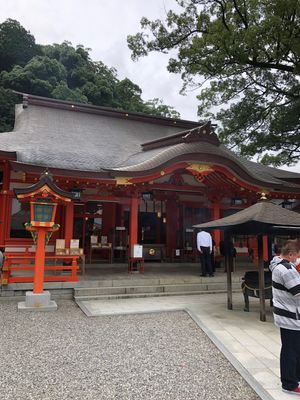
[134, 179]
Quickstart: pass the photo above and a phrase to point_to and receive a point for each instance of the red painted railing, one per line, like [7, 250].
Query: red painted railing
[16, 262]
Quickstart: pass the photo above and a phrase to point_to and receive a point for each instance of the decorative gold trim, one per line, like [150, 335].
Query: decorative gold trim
[39, 223]
[263, 194]
[200, 167]
[121, 180]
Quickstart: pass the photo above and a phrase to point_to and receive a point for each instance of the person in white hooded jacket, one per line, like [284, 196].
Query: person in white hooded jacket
[286, 301]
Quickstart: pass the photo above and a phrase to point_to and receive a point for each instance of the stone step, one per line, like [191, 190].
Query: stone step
[133, 283]
[94, 292]
[142, 295]
[143, 281]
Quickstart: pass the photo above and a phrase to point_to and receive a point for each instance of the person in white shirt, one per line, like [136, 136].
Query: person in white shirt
[204, 246]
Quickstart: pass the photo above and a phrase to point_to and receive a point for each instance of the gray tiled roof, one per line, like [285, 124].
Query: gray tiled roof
[49, 136]
[75, 140]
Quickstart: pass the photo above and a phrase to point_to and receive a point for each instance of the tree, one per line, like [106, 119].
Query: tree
[128, 96]
[64, 72]
[80, 69]
[7, 109]
[39, 76]
[156, 107]
[100, 88]
[17, 46]
[63, 92]
[244, 56]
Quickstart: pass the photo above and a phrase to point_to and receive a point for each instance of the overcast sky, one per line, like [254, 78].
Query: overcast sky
[103, 26]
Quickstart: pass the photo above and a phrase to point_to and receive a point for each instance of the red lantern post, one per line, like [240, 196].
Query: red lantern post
[44, 197]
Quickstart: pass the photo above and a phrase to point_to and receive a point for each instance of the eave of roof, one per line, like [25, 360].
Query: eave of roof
[8, 155]
[37, 169]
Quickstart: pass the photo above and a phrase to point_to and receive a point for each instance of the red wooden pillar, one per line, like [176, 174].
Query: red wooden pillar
[38, 283]
[69, 222]
[2, 206]
[172, 226]
[133, 226]
[108, 219]
[8, 216]
[216, 214]
[253, 246]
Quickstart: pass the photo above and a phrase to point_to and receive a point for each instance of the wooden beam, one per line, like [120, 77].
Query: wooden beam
[228, 267]
[216, 214]
[261, 278]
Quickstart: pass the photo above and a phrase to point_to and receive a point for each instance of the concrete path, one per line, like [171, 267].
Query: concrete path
[252, 346]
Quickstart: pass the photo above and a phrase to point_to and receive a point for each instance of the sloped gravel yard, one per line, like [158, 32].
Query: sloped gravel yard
[65, 355]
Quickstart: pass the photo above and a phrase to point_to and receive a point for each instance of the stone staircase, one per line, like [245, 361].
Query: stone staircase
[133, 288]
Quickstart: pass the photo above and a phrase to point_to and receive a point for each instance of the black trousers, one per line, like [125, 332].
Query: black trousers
[290, 358]
[205, 259]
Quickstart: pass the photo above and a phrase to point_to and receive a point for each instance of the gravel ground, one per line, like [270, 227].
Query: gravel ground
[65, 355]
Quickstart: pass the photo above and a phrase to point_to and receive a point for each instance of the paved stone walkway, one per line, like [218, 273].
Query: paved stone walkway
[252, 346]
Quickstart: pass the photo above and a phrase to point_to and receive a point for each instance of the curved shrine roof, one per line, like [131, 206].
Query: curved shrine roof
[62, 135]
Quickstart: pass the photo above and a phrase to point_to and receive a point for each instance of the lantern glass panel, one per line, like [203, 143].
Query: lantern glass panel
[43, 212]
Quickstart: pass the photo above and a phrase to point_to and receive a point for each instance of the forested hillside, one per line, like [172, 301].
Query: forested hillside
[65, 72]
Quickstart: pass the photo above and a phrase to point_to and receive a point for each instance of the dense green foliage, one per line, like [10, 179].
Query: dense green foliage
[244, 56]
[64, 72]
[17, 46]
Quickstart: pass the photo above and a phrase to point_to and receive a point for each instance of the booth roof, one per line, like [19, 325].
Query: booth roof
[261, 217]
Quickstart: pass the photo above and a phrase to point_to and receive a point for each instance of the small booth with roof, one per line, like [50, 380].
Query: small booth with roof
[264, 220]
